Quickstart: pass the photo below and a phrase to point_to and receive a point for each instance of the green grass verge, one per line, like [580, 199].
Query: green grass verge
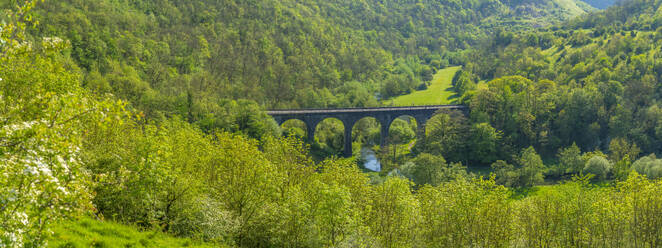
[439, 92]
[88, 232]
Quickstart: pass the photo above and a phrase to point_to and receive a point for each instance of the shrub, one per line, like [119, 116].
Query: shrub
[395, 213]
[433, 170]
[465, 213]
[44, 116]
[598, 166]
[649, 166]
[505, 173]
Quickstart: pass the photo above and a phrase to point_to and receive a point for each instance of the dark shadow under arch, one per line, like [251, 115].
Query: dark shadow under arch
[329, 135]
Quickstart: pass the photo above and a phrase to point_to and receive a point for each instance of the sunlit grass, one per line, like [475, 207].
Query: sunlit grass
[438, 93]
[88, 232]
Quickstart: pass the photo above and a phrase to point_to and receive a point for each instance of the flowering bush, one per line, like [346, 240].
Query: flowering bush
[43, 118]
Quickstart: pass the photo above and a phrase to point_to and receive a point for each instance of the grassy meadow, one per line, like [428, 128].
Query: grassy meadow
[438, 93]
[88, 232]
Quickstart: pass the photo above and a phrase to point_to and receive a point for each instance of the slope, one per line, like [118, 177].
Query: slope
[592, 81]
[181, 57]
[601, 4]
[439, 92]
[92, 233]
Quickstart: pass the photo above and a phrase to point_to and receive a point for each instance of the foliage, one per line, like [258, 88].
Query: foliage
[43, 120]
[531, 168]
[483, 143]
[433, 170]
[463, 82]
[329, 138]
[238, 116]
[131, 161]
[400, 133]
[557, 218]
[505, 173]
[528, 174]
[620, 149]
[570, 160]
[394, 215]
[643, 196]
[464, 213]
[650, 166]
[446, 135]
[589, 82]
[197, 165]
[182, 58]
[598, 166]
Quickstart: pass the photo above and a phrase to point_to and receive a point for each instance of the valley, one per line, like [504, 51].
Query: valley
[283, 123]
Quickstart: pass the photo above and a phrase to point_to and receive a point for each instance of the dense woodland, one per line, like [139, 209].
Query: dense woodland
[592, 82]
[184, 57]
[151, 114]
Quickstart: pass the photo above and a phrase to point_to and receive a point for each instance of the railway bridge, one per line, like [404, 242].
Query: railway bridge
[349, 116]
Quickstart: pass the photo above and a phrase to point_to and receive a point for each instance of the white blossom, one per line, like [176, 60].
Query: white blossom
[23, 218]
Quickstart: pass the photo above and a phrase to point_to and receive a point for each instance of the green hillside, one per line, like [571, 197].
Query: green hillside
[438, 92]
[184, 57]
[152, 114]
[609, 63]
[601, 4]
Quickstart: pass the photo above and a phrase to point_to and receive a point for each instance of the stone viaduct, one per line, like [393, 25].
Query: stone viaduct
[349, 116]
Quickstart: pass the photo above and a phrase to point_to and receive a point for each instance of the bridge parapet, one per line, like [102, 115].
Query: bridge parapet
[364, 110]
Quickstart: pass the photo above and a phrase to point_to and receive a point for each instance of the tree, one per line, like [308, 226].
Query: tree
[570, 159]
[598, 166]
[484, 143]
[394, 214]
[400, 133]
[620, 148]
[240, 177]
[462, 82]
[148, 175]
[650, 166]
[45, 115]
[465, 213]
[505, 174]
[433, 170]
[243, 116]
[531, 168]
[447, 135]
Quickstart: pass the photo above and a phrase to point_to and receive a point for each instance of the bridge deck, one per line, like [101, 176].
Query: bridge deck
[359, 110]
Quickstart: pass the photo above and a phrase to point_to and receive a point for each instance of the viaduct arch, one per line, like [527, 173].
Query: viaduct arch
[349, 116]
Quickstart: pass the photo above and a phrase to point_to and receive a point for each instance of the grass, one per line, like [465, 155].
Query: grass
[573, 7]
[88, 232]
[439, 92]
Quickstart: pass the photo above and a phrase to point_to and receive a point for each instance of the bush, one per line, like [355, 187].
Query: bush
[146, 174]
[598, 166]
[465, 214]
[207, 219]
[44, 116]
[649, 166]
[433, 170]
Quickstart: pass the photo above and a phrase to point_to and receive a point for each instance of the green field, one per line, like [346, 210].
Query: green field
[439, 92]
[93, 233]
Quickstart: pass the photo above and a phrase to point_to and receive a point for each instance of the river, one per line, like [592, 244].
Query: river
[369, 159]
